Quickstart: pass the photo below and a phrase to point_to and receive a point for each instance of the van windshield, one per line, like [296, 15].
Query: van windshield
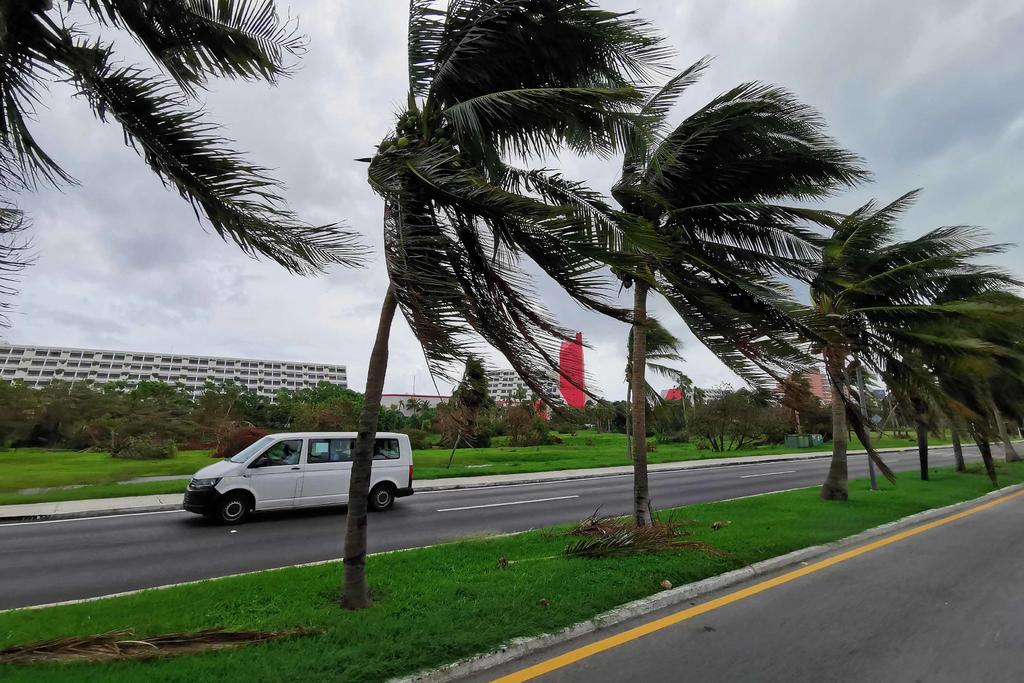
[252, 450]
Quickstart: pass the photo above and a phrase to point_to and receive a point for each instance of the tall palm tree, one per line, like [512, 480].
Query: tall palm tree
[877, 295]
[714, 190]
[191, 42]
[490, 80]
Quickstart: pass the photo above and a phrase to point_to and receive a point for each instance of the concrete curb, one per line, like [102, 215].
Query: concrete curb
[521, 647]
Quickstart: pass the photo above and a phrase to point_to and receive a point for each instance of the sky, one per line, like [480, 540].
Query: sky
[927, 91]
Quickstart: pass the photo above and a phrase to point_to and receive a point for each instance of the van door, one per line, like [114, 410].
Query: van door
[276, 475]
[326, 473]
[387, 462]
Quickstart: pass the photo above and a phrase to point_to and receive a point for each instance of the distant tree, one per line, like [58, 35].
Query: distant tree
[732, 420]
[19, 404]
[460, 417]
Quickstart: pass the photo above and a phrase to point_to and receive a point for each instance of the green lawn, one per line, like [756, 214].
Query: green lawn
[97, 473]
[436, 605]
[586, 449]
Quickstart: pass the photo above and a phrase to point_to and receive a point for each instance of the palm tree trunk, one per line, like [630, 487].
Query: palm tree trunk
[922, 448]
[958, 451]
[1004, 435]
[986, 456]
[629, 402]
[355, 591]
[638, 406]
[836, 483]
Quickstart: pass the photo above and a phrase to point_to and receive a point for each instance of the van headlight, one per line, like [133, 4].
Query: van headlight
[198, 484]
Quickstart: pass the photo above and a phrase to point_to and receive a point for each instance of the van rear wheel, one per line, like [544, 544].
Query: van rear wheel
[232, 509]
[382, 497]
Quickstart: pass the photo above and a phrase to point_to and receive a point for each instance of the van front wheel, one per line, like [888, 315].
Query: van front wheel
[382, 497]
[232, 509]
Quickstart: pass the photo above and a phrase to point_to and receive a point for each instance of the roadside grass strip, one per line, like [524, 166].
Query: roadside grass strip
[444, 603]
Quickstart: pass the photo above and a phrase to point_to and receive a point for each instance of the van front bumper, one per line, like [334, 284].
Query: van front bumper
[202, 502]
[402, 493]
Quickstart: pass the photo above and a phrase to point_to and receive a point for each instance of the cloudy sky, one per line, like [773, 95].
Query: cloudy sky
[928, 91]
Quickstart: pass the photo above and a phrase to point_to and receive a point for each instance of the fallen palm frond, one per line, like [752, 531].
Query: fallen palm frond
[615, 537]
[121, 645]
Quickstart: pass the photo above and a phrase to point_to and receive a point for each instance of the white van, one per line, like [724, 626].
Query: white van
[304, 469]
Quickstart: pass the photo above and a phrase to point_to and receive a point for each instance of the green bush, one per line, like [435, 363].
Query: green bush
[418, 438]
[146, 448]
[681, 436]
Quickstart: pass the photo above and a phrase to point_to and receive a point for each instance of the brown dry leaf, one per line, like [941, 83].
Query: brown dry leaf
[122, 645]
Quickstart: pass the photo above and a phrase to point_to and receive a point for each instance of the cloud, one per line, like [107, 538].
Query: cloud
[927, 91]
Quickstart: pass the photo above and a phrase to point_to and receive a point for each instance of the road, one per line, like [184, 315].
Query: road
[56, 560]
[943, 606]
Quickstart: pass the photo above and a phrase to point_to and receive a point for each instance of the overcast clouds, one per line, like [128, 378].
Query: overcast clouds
[928, 91]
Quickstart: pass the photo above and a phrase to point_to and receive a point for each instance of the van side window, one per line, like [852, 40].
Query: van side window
[281, 453]
[329, 450]
[386, 449]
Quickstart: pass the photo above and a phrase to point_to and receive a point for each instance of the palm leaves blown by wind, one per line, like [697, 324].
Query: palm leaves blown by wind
[192, 41]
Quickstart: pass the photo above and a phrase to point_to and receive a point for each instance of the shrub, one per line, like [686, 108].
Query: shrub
[681, 436]
[146, 448]
[236, 439]
[418, 438]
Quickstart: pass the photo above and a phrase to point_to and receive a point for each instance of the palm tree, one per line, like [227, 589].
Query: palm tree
[662, 349]
[713, 190]
[877, 295]
[489, 80]
[191, 42]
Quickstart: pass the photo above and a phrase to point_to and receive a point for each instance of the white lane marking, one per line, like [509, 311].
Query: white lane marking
[90, 519]
[514, 502]
[767, 474]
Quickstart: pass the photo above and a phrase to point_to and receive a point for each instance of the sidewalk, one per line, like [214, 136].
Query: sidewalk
[128, 504]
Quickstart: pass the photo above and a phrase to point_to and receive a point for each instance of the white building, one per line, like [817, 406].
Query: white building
[505, 386]
[40, 365]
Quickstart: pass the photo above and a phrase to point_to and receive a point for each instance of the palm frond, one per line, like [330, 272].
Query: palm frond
[194, 39]
[239, 199]
[756, 142]
[25, 49]
[15, 253]
[426, 33]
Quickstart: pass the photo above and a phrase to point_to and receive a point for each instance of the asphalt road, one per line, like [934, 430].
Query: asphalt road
[56, 560]
[945, 606]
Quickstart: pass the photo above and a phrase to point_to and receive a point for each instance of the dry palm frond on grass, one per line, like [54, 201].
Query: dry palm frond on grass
[121, 645]
[615, 537]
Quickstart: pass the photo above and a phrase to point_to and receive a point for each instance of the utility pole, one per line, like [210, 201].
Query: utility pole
[867, 428]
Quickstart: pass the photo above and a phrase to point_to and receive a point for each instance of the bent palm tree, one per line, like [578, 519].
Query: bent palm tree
[489, 79]
[712, 189]
[878, 295]
[192, 41]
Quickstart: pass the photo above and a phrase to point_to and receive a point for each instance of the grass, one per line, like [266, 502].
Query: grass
[145, 488]
[97, 474]
[23, 468]
[585, 450]
[436, 605]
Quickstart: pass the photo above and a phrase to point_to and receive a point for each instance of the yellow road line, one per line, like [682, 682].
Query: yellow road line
[592, 649]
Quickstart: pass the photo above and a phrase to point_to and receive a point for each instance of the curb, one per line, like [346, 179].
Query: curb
[680, 466]
[521, 647]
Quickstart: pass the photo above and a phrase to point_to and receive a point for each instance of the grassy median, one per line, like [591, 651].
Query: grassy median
[437, 605]
[96, 475]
